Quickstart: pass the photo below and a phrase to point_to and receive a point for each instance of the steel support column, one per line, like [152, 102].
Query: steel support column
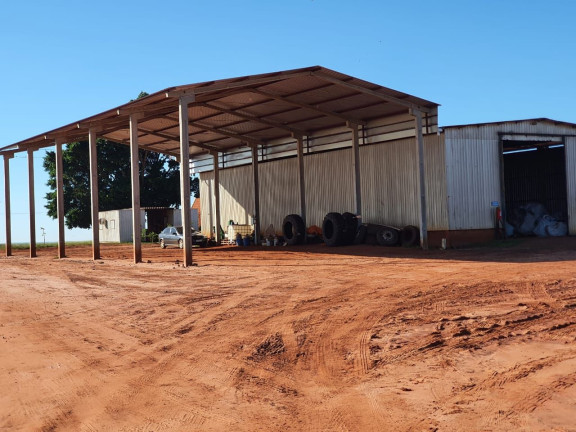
[421, 179]
[60, 199]
[217, 196]
[256, 195]
[31, 203]
[135, 171]
[185, 177]
[301, 179]
[356, 163]
[7, 201]
[94, 202]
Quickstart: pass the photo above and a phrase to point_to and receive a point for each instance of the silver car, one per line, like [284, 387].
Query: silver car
[173, 236]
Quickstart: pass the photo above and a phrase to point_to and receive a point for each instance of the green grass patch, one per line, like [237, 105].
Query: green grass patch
[46, 245]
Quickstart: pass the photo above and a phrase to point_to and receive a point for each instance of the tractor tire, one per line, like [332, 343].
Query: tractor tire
[293, 229]
[333, 229]
[409, 236]
[360, 236]
[350, 228]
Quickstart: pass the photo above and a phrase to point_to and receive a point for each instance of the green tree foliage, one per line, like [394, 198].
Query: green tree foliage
[159, 181]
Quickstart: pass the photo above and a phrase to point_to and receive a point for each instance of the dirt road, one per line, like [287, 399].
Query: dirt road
[359, 338]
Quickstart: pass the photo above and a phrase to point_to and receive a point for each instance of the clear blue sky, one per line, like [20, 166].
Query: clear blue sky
[61, 61]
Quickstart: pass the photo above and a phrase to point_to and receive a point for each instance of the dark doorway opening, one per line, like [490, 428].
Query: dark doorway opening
[534, 173]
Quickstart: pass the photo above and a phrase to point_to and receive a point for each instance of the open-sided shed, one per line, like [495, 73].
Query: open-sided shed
[209, 122]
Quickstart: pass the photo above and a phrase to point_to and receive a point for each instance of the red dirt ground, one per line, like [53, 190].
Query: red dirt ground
[358, 338]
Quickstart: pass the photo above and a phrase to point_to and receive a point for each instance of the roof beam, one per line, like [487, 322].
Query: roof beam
[310, 107]
[169, 137]
[240, 137]
[374, 93]
[255, 119]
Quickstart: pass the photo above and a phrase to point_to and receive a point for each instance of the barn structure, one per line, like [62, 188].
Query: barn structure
[305, 141]
[471, 170]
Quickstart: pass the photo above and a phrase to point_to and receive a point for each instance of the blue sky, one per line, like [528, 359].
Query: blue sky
[62, 61]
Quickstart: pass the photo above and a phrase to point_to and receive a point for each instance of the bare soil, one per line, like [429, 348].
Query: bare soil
[359, 338]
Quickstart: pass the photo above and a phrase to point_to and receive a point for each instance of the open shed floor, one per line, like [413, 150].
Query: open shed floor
[358, 338]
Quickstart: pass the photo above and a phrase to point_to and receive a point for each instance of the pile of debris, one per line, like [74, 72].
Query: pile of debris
[533, 219]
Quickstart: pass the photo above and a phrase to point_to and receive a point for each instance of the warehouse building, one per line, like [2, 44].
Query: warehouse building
[471, 171]
[311, 141]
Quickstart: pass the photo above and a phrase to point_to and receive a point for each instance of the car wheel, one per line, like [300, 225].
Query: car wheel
[180, 244]
[162, 244]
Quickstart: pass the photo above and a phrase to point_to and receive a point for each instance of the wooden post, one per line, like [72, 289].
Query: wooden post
[60, 199]
[7, 158]
[301, 179]
[217, 195]
[421, 179]
[185, 177]
[256, 195]
[356, 163]
[94, 202]
[135, 171]
[31, 203]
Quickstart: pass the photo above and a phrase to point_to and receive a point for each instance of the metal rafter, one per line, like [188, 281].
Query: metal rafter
[253, 118]
[308, 106]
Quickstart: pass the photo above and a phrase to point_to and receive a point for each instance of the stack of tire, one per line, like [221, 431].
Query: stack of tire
[339, 229]
[343, 229]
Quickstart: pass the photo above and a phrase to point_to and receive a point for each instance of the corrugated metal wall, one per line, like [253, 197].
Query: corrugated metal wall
[329, 184]
[436, 194]
[571, 182]
[473, 180]
[279, 193]
[388, 179]
[390, 182]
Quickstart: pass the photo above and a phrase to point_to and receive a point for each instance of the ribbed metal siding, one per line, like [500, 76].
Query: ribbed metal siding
[390, 182]
[435, 172]
[279, 193]
[473, 181]
[388, 179]
[571, 182]
[329, 184]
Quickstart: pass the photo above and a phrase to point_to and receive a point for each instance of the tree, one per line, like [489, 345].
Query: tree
[159, 181]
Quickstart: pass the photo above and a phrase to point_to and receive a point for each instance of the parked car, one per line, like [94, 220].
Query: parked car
[173, 236]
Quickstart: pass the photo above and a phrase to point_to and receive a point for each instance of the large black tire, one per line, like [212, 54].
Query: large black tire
[387, 236]
[360, 236]
[333, 229]
[409, 236]
[293, 229]
[350, 228]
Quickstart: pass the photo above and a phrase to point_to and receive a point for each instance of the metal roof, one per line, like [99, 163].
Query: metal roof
[236, 112]
[533, 120]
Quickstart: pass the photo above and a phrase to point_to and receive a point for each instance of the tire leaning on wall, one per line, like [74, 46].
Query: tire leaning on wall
[350, 228]
[360, 236]
[293, 229]
[409, 236]
[333, 229]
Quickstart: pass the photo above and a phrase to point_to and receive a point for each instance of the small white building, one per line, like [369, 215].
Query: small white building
[116, 225]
